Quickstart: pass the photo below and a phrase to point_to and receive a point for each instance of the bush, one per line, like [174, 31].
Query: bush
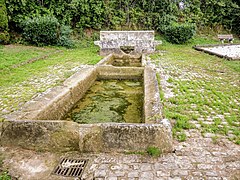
[45, 30]
[64, 38]
[4, 36]
[41, 30]
[179, 33]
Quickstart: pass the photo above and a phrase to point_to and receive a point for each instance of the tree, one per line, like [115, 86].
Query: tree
[4, 36]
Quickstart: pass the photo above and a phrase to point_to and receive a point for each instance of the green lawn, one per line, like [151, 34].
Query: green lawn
[28, 70]
[11, 57]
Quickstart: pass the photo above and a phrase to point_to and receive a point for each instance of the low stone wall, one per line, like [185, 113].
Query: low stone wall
[140, 41]
[62, 136]
[110, 72]
[112, 59]
[120, 137]
[152, 106]
[40, 135]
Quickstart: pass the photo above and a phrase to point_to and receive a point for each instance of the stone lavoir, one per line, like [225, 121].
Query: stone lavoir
[132, 123]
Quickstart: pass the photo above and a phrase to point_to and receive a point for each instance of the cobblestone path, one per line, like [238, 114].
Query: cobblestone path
[197, 158]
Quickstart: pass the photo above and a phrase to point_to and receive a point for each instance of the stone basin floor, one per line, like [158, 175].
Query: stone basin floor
[201, 156]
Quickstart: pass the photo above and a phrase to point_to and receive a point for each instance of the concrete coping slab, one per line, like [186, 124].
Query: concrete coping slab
[227, 51]
[139, 41]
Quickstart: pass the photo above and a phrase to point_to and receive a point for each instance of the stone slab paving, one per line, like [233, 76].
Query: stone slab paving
[197, 158]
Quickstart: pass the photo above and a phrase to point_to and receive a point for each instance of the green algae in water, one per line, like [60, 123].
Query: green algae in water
[110, 101]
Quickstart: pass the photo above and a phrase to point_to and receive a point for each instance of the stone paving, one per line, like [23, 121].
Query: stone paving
[197, 158]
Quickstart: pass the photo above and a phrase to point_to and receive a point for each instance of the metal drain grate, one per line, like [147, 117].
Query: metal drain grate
[70, 167]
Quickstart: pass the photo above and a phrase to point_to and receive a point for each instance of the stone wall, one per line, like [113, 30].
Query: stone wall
[61, 136]
[140, 41]
[120, 137]
[40, 135]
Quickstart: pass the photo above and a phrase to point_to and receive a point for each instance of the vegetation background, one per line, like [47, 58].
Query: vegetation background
[88, 16]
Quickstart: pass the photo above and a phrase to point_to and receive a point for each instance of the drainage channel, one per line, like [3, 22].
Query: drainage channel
[70, 167]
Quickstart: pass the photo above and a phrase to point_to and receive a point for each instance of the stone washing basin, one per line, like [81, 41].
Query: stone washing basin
[40, 124]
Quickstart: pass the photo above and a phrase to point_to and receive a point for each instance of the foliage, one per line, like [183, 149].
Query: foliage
[46, 30]
[179, 33]
[153, 151]
[64, 37]
[5, 176]
[86, 14]
[41, 30]
[4, 36]
[130, 14]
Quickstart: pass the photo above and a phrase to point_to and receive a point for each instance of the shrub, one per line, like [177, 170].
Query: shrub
[45, 30]
[179, 33]
[64, 38]
[4, 36]
[41, 30]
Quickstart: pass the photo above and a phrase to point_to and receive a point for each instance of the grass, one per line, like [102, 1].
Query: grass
[153, 151]
[21, 78]
[205, 87]
[13, 55]
[5, 176]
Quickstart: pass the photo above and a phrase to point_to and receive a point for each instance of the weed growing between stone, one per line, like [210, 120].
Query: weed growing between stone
[153, 151]
[200, 91]
[5, 176]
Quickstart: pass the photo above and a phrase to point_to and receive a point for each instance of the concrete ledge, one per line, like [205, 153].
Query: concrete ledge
[120, 137]
[53, 136]
[61, 136]
[152, 106]
[203, 48]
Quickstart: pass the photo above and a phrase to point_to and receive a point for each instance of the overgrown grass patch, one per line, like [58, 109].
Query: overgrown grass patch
[205, 87]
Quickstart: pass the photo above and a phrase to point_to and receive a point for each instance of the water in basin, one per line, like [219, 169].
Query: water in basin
[110, 101]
